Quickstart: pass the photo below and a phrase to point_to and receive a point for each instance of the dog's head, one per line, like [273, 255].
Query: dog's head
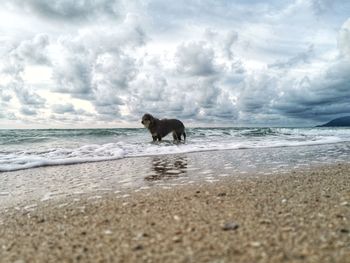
[147, 120]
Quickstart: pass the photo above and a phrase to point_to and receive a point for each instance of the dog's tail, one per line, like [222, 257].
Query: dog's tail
[184, 136]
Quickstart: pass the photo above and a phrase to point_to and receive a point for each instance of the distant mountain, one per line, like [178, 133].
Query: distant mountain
[338, 122]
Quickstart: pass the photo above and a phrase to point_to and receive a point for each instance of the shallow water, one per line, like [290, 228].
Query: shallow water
[25, 149]
[27, 188]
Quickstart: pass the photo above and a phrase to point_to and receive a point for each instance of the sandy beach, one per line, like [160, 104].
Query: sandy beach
[302, 216]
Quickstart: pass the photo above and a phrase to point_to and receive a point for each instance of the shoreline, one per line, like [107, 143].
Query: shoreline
[152, 155]
[34, 186]
[302, 216]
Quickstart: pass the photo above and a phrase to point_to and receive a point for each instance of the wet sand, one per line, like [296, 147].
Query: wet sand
[295, 217]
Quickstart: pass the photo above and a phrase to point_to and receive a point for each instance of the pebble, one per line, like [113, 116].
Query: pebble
[265, 221]
[138, 247]
[177, 239]
[42, 220]
[222, 194]
[230, 226]
[173, 171]
[107, 232]
[255, 244]
[30, 207]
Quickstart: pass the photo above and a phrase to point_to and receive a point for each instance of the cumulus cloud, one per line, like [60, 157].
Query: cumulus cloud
[28, 111]
[21, 54]
[97, 65]
[29, 97]
[63, 108]
[72, 71]
[235, 62]
[5, 94]
[195, 59]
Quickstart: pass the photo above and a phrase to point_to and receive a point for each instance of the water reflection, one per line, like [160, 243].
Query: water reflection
[164, 168]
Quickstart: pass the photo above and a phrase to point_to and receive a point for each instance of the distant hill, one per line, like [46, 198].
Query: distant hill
[338, 122]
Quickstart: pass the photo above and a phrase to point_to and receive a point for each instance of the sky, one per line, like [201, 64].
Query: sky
[104, 63]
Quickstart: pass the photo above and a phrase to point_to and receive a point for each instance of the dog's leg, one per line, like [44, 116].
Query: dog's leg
[178, 135]
[154, 138]
[159, 138]
[175, 136]
[184, 134]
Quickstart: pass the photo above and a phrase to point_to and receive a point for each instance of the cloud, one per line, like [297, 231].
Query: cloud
[33, 51]
[256, 93]
[28, 97]
[195, 59]
[97, 65]
[325, 95]
[72, 72]
[300, 58]
[71, 10]
[344, 39]
[21, 53]
[114, 70]
[321, 6]
[5, 94]
[28, 111]
[14, 62]
[238, 62]
[63, 108]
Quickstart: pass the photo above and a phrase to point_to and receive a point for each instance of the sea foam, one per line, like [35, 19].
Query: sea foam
[96, 145]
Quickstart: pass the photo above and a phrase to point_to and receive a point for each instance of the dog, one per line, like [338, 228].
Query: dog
[161, 128]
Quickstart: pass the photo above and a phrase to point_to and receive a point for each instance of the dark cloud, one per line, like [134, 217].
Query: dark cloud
[322, 97]
[29, 97]
[257, 92]
[73, 74]
[72, 10]
[28, 111]
[63, 108]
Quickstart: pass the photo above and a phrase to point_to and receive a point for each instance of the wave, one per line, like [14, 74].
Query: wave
[44, 135]
[215, 139]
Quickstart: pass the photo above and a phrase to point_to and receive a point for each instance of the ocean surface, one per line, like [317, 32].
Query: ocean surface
[25, 149]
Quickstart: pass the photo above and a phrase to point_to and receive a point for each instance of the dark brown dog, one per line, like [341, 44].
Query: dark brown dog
[161, 128]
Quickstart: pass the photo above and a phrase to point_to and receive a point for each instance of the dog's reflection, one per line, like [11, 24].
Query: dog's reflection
[167, 168]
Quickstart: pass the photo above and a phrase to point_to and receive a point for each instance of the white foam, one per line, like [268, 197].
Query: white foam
[202, 140]
[87, 153]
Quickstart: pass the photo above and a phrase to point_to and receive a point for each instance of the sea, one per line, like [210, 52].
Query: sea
[31, 148]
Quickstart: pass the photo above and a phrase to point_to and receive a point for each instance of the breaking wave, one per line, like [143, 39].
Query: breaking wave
[24, 149]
